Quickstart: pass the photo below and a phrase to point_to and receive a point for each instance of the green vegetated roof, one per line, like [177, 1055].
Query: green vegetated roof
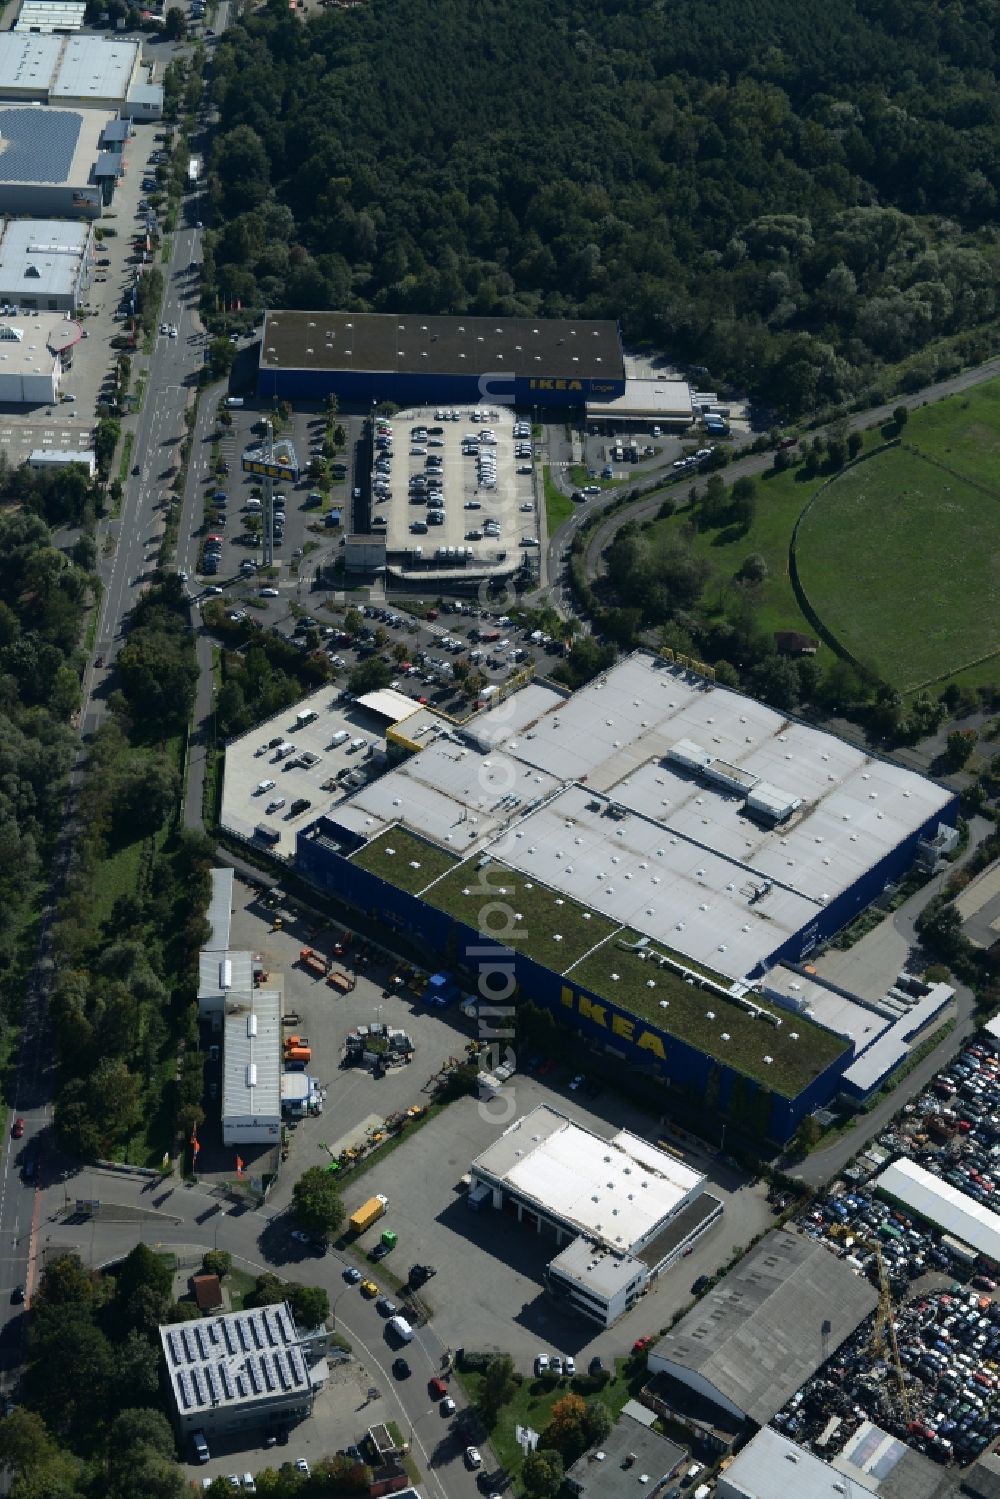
[566, 937]
[404, 860]
[521, 913]
[798, 1049]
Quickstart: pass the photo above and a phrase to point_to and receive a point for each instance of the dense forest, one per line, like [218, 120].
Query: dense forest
[802, 198]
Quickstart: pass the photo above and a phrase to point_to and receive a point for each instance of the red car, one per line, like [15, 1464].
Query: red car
[18, 1129]
[641, 1344]
[438, 1388]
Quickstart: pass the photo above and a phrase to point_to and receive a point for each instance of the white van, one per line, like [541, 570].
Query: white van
[341, 737]
[402, 1329]
[358, 744]
[253, 504]
[263, 786]
[232, 401]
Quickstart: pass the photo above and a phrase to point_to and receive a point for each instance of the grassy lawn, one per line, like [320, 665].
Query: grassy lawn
[798, 1050]
[896, 558]
[404, 860]
[558, 506]
[239, 1284]
[964, 432]
[550, 928]
[532, 1405]
[126, 458]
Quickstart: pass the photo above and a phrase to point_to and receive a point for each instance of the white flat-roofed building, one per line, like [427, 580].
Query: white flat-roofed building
[46, 459]
[239, 1370]
[251, 1075]
[678, 762]
[45, 263]
[595, 1282]
[938, 1202]
[68, 70]
[44, 17]
[31, 357]
[222, 974]
[646, 402]
[619, 1193]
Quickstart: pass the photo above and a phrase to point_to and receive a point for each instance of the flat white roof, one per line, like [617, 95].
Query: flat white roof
[41, 257]
[386, 702]
[669, 399]
[210, 973]
[251, 1082]
[92, 67]
[27, 63]
[685, 863]
[940, 1203]
[596, 1269]
[615, 1191]
[862, 1024]
[55, 457]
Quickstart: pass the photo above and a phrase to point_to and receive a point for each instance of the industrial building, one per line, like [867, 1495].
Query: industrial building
[632, 1459]
[672, 842]
[34, 351]
[251, 1069]
[751, 1341]
[873, 1462]
[47, 16]
[935, 1201]
[45, 263]
[45, 460]
[240, 1370]
[88, 72]
[644, 403]
[48, 161]
[413, 359]
[609, 1206]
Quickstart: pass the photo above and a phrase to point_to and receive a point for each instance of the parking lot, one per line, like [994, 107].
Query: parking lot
[462, 479]
[488, 1292]
[948, 1324]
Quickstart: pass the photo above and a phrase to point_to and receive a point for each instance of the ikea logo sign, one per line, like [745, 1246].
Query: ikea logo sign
[555, 385]
[622, 1026]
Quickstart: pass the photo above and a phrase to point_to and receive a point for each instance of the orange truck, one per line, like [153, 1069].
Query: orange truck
[298, 1054]
[339, 981]
[313, 960]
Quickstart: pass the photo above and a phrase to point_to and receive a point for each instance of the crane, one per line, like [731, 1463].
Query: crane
[883, 1340]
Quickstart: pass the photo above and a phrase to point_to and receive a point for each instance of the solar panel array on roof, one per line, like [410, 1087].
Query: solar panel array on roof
[235, 1357]
[38, 145]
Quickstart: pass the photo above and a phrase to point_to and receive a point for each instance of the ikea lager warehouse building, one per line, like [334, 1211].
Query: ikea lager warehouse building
[411, 359]
[643, 858]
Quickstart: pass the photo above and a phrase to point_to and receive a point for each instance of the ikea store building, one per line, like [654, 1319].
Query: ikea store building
[411, 359]
[652, 858]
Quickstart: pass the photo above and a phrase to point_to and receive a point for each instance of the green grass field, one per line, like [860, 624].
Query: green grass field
[798, 1050]
[901, 561]
[550, 928]
[411, 864]
[558, 506]
[963, 432]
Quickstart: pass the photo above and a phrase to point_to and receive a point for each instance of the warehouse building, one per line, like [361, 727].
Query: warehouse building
[45, 263]
[244, 1369]
[873, 1462]
[610, 1206]
[87, 72]
[45, 460]
[48, 162]
[645, 402]
[632, 1459]
[772, 1467]
[673, 842]
[751, 1341]
[413, 359]
[47, 16]
[34, 352]
[251, 1068]
[935, 1201]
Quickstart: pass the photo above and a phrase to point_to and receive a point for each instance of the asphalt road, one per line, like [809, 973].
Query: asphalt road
[558, 549]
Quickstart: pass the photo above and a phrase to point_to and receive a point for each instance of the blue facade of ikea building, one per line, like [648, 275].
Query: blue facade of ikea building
[322, 857]
[368, 387]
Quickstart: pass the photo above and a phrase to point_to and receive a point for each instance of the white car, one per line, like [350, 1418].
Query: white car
[569, 1366]
[163, 329]
[269, 593]
[527, 507]
[473, 1457]
[172, 331]
[541, 1363]
[447, 1406]
[249, 1484]
[232, 1480]
[302, 1466]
